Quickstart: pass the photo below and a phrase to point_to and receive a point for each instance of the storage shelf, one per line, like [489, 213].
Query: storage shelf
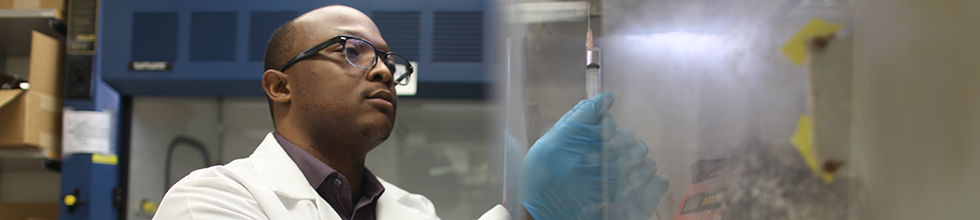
[22, 159]
[16, 26]
[22, 152]
[30, 13]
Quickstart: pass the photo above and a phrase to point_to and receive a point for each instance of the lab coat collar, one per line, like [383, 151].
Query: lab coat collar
[395, 204]
[278, 170]
[273, 165]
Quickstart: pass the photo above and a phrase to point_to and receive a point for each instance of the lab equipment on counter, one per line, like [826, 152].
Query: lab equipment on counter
[704, 199]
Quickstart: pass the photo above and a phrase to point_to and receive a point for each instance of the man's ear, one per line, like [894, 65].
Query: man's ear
[276, 86]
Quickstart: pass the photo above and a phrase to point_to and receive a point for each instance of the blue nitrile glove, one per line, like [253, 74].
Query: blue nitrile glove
[563, 171]
[640, 189]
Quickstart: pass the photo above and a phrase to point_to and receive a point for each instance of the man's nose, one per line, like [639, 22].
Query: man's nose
[380, 73]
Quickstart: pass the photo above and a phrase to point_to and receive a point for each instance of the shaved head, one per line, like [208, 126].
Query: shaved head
[329, 21]
[324, 93]
[296, 35]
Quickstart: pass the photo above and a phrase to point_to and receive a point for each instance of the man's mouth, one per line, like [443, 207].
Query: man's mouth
[382, 97]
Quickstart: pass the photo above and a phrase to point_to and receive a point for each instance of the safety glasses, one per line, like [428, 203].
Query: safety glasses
[362, 54]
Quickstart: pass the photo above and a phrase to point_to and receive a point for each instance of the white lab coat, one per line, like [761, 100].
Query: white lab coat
[269, 185]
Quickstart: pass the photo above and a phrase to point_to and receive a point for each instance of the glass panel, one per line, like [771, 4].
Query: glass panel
[703, 83]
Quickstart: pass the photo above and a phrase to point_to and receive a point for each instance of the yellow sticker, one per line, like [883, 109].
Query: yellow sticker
[107, 159]
[795, 48]
[804, 144]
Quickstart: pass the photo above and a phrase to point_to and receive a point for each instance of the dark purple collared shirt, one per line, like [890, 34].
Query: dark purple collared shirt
[333, 187]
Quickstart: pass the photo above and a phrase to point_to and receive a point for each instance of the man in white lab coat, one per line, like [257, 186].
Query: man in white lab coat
[335, 101]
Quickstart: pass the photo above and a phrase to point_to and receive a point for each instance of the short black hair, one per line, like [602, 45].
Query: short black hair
[277, 52]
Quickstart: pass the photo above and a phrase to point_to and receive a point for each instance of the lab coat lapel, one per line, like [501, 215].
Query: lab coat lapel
[391, 204]
[389, 208]
[274, 166]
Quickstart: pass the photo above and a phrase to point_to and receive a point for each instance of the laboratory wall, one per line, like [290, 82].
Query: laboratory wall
[916, 94]
[24, 180]
[15, 65]
[156, 123]
[438, 148]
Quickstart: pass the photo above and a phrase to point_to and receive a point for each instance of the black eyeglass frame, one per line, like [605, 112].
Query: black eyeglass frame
[342, 39]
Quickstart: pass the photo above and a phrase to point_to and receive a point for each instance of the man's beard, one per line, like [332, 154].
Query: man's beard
[368, 133]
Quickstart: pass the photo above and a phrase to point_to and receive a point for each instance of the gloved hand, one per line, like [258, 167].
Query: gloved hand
[564, 170]
[640, 188]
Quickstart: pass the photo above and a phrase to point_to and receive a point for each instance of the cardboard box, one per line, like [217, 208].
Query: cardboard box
[21, 211]
[31, 118]
[46, 64]
[32, 4]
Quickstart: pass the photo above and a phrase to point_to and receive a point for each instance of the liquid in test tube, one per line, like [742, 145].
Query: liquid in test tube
[593, 78]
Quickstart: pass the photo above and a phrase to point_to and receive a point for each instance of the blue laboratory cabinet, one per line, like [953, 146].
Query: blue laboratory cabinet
[215, 47]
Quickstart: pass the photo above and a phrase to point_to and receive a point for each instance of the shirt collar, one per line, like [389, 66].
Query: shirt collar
[371, 187]
[316, 171]
[313, 169]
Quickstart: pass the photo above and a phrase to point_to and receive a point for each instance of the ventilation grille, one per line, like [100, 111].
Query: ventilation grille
[401, 31]
[458, 37]
[213, 36]
[260, 30]
[154, 36]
